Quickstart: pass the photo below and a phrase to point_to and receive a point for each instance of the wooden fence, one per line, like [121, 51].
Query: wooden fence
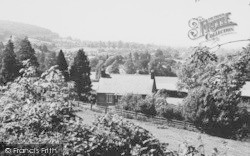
[154, 119]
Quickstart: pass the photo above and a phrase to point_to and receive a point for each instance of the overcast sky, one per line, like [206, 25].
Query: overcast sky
[146, 21]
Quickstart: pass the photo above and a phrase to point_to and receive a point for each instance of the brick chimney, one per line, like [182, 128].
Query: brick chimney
[152, 73]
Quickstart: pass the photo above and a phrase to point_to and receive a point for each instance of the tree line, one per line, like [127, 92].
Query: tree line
[162, 62]
[11, 63]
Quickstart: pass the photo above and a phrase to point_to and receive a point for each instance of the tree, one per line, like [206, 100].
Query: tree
[10, 65]
[1, 46]
[50, 59]
[130, 56]
[27, 52]
[145, 56]
[136, 56]
[80, 74]
[214, 93]
[161, 66]
[129, 67]
[1, 53]
[93, 63]
[62, 65]
[114, 68]
[44, 48]
[109, 61]
[159, 53]
[202, 62]
[41, 59]
[99, 67]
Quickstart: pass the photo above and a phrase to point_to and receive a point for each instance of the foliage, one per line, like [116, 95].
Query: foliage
[161, 66]
[34, 108]
[27, 52]
[50, 59]
[214, 93]
[99, 67]
[129, 102]
[129, 67]
[10, 65]
[41, 59]
[169, 111]
[38, 110]
[1, 46]
[62, 65]
[93, 63]
[136, 103]
[197, 67]
[1, 53]
[147, 106]
[114, 68]
[165, 109]
[158, 53]
[80, 74]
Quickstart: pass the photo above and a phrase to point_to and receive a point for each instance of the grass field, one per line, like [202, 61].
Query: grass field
[175, 136]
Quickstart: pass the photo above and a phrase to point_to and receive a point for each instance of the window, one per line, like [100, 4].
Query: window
[109, 98]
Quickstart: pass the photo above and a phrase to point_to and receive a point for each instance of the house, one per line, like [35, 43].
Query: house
[170, 84]
[109, 90]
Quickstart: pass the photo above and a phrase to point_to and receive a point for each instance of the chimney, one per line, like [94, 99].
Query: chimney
[103, 73]
[152, 74]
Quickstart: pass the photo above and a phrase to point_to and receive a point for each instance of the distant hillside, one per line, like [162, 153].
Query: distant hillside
[41, 36]
[8, 28]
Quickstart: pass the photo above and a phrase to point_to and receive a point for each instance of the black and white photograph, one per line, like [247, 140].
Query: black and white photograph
[124, 77]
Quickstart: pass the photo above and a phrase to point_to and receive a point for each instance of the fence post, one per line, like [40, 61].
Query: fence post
[106, 109]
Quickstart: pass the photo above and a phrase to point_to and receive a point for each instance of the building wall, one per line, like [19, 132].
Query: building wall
[101, 99]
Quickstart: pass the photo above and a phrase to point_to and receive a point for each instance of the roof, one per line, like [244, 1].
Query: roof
[174, 101]
[168, 83]
[92, 75]
[94, 85]
[143, 84]
[245, 91]
[124, 84]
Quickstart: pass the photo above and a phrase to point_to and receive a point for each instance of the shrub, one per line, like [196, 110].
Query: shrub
[129, 102]
[169, 112]
[147, 106]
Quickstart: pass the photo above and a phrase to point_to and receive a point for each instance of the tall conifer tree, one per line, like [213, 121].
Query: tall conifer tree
[62, 65]
[10, 66]
[27, 52]
[80, 74]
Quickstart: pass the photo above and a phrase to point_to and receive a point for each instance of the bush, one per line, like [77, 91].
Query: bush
[37, 110]
[129, 102]
[147, 106]
[169, 112]
[151, 105]
[214, 92]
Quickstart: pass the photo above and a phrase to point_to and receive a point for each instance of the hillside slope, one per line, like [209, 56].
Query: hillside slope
[8, 28]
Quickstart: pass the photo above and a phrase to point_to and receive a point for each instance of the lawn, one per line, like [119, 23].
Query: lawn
[175, 136]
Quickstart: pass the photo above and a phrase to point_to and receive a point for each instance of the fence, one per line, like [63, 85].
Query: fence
[154, 119]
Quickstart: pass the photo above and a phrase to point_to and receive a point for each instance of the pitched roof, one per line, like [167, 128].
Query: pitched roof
[168, 83]
[174, 101]
[143, 84]
[124, 84]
